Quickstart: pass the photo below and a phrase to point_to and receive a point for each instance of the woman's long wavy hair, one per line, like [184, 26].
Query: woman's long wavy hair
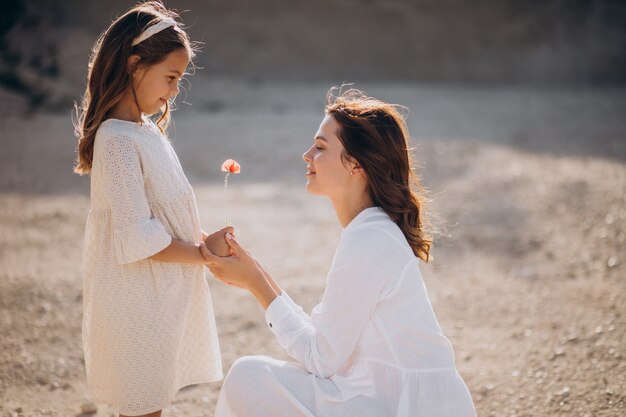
[375, 135]
[109, 78]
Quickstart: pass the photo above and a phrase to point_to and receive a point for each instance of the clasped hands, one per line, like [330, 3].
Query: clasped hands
[229, 261]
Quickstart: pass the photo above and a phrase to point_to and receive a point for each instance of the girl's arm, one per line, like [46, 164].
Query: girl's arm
[189, 253]
[216, 241]
[180, 252]
[137, 235]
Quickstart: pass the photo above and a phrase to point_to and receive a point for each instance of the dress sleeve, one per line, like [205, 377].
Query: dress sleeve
[136, 234]
[363, 264]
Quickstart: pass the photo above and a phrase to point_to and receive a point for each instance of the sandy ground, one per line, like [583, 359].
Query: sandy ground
[527, 281]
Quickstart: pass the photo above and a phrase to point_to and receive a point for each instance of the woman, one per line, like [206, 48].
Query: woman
[373, 346]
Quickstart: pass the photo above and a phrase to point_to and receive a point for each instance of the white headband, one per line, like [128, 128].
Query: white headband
[154, 29]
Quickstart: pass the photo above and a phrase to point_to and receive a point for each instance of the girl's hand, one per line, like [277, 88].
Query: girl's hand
[216, 242]
[240, 269]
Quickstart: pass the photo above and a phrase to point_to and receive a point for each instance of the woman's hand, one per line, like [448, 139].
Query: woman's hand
[240, 270]
[216, 242]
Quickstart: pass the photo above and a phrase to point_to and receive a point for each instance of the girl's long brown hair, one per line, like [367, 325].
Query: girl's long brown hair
[375, 135]
[108, 75]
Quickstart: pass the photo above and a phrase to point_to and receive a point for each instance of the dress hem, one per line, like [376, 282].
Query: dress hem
[103, 399]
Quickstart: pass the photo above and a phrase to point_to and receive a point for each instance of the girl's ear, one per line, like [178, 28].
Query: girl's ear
[132, 62]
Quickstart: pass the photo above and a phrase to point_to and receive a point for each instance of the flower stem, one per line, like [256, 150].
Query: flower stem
[226, 198]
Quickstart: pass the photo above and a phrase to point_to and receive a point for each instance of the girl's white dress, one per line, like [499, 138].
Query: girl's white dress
[148, 326]
[371, 348]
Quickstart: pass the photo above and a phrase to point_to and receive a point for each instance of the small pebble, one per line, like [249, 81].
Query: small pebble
[611, 262]
[486, 388]
[89, 408]
[564, 392]
[559, 351]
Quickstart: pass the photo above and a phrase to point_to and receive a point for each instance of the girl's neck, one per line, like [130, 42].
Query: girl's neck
[349, 207]
[126, 110]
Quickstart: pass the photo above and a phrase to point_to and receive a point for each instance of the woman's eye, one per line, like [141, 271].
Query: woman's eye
[171, 77]
[319, 148]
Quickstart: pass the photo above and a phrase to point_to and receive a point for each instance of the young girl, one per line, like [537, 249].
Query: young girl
[148, 324]
[372, 347]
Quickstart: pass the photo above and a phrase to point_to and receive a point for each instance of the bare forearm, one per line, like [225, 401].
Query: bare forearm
[180, 252]
[263, 291]
[270, 280]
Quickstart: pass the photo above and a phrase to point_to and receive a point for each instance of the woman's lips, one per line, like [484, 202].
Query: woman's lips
[310, 173]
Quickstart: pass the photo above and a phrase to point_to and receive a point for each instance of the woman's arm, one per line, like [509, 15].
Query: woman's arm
[264, 291]
[363, 265]
[269, 279]
[324, 342]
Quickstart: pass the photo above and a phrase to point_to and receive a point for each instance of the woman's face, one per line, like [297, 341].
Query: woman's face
[327, 173]
[156, 84]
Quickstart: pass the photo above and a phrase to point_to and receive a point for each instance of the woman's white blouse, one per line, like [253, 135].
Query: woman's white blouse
[148, 326]
[374, 333]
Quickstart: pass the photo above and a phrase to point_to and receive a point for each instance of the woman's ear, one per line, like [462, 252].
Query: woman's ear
[357, 169]
[351, 165]
[132, 62]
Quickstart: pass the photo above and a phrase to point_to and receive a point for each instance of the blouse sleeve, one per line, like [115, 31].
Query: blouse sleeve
[136, 234]
[295, 307]
[363, 264]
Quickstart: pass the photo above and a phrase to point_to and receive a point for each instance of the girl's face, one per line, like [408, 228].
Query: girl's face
[156, 84]
[327, 172]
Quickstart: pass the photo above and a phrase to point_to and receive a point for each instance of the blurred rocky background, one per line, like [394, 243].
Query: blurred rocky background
[44, 42]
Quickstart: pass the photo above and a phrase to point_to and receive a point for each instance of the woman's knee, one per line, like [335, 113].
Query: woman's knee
[242, 391]
[247, 370]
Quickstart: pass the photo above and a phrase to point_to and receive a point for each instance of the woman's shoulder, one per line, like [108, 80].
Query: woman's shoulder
[373, 224]
[376, 248]
[375, 232]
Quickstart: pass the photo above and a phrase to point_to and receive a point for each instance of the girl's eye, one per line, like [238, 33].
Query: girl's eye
[319, 148]
[171, 77]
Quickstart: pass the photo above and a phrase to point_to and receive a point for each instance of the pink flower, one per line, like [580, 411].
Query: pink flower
[231, 166]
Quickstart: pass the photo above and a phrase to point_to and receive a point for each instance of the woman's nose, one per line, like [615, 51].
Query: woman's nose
[306, 156]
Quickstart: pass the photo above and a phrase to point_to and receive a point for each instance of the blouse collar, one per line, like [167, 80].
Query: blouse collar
[145, 122]
[363, 216]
